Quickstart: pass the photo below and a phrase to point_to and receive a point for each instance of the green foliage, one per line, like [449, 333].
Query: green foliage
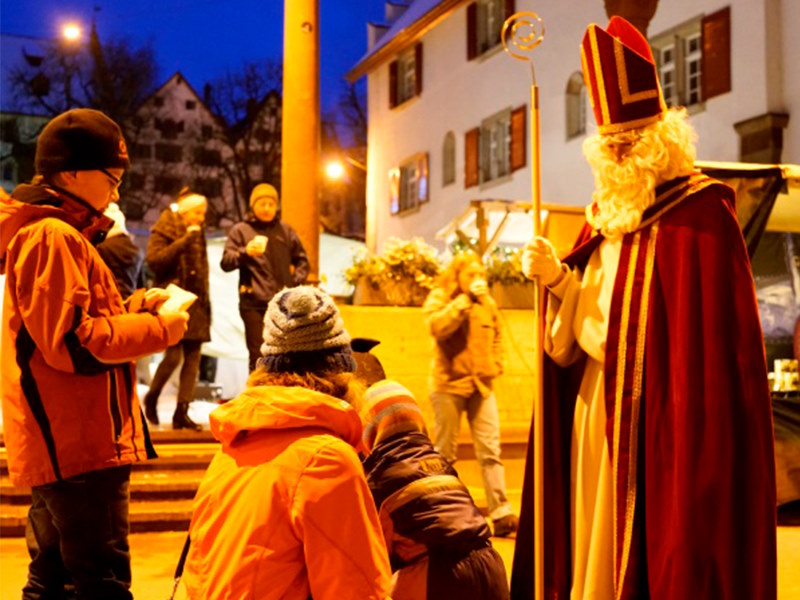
[505, 267]
[405, 271]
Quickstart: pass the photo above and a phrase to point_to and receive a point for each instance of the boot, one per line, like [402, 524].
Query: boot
[181, 420]
[150, 402]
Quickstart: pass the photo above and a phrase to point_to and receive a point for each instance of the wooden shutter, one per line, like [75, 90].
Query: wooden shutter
[510, 8]
[471, 140]
[418, 69]
[472, 31]
[716, 61]
[393, 84]
[518, 138]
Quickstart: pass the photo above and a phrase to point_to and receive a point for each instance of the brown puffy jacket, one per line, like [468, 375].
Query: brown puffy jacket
[284, 510]
[468, 351]
[68, 381]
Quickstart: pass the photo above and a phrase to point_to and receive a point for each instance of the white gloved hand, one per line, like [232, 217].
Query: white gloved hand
[462, 302]
[539, 260]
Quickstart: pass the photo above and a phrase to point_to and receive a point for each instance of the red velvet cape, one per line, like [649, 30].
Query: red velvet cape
[689, 415]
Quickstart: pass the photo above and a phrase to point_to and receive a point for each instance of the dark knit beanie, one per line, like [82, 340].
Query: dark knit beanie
[304, 333]
[80, 139]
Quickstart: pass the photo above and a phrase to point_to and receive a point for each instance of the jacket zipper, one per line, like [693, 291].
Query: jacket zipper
[116, 418]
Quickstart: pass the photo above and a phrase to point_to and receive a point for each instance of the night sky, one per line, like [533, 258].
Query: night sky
[204, 38]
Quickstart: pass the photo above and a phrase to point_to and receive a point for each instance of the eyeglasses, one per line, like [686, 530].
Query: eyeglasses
[115, 181]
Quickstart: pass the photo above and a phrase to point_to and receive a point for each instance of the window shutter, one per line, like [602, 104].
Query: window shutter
[510, 8]
[518, 138]
[716, 62]
[418, 69]
[393, 84]
[471, 157]
[472, 31]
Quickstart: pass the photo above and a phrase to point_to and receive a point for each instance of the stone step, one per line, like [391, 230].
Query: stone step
[165, 515]
[145, 485]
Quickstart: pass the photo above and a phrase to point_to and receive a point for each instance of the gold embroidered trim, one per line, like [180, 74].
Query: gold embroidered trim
[622, 78]
[636, 397]
[626, 125]
[598, 75]
[693, 185]
[622, 348]
[588, 77]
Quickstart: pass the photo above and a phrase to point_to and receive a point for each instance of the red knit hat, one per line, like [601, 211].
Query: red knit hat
[621, 77]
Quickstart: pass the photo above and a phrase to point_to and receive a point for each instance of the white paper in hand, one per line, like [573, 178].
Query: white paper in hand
[179, 300]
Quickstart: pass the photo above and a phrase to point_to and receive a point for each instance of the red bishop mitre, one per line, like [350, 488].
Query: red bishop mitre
[621, 77]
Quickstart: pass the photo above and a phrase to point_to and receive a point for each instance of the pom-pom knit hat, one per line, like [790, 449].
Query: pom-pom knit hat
[389, 409]
[303, 332]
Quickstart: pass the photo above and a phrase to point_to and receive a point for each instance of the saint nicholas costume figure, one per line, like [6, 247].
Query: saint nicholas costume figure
[659, 474]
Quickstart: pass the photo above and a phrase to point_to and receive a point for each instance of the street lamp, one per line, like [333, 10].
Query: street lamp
[71, 32]
[334, 170]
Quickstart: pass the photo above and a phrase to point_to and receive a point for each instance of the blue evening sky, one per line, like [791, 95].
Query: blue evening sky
[204, 38]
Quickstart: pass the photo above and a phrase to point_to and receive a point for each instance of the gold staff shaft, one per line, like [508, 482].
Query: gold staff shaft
[521, 33]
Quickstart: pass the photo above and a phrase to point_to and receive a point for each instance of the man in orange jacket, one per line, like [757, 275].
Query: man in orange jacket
[71, 416]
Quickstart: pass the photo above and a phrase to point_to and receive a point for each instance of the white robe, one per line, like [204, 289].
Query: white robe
[577, 320]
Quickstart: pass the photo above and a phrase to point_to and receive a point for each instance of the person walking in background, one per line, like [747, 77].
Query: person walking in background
[71, 419]
[468, 355]
[284, 510]
[269, 256]
[121, 254]
[176, 253]
[438, 542]
[658, 450]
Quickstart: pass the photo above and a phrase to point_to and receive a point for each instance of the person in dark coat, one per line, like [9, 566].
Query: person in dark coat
[438, 541]
[121, 254]
[176, 253]
[269, 256]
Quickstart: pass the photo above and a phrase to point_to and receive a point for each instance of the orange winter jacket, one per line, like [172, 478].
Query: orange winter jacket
[68, 381]
[284, 510]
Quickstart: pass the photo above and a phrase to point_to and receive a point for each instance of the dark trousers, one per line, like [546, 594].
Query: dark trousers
[188, 378]
[253, 318]
[77, 535]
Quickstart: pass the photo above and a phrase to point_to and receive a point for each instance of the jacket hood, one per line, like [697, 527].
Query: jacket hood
[29, 203]
[283, 408]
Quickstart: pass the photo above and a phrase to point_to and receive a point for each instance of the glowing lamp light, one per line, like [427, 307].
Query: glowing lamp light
[334, 170]
[71, 32]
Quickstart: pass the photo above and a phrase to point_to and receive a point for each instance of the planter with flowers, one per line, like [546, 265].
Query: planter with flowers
[402, 275]
[509, 287]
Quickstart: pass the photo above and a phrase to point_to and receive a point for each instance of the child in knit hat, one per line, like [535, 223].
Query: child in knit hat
[438, 542]
[284, 509]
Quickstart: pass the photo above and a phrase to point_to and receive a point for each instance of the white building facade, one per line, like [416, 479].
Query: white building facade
[449, 111]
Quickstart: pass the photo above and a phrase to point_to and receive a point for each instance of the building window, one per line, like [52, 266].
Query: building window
[191, 104]
[449, 159]
[495, 147]
[168, 185]
[694, 59]
[169, 153]
[141, 151]
[405, 76]
[408, 184]
[576, 105]
[158, 102]
[8, 171]
[207, 158]
[136, 181]
[209, 188]
[206, 132]
[169, 128]
[485, 24]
